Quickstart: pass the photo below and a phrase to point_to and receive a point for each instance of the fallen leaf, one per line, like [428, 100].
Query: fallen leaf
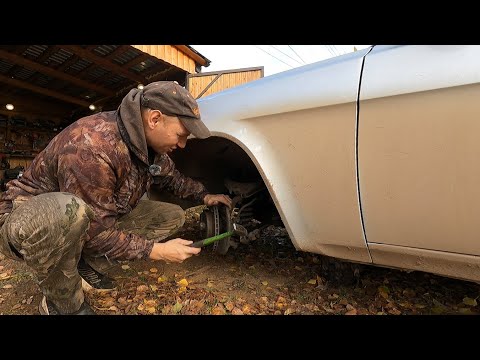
[150, 303]
[466, 311]
[153, 270]
[383, 291]
[394, 311]
[151, 310]
[122, 300]
[312, 281]
[289, 311]
[229, 306]
[247, 309]
[438, 309]
[142, 288]
[183, 282]
[125, 267]
[469, 301]
[3, 275]
[265, 283]
[141, 307]
[161, 279]
[16, 306]
[8, 286]
[113, 308]
[210, 284]
[237, 311]
[217, 310]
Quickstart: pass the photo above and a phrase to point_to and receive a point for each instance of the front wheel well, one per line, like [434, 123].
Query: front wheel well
[224, 168]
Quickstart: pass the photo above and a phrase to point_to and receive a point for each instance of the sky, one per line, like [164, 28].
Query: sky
[274, 58]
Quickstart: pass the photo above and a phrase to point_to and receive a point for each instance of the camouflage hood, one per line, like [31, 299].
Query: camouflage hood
[130, 124]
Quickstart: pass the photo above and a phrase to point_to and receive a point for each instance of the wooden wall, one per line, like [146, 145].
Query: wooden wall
[197, 83]
[170, 54]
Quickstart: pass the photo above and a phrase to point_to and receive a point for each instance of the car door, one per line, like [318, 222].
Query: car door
[419, 148]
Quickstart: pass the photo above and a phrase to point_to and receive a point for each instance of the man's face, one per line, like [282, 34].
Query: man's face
[166, 133]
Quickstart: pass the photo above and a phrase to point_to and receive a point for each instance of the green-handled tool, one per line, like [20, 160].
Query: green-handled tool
[237, 229]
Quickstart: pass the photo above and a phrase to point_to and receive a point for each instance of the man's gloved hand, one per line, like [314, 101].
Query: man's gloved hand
[212, 199]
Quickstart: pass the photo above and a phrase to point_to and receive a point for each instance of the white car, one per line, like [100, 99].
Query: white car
[371, 157]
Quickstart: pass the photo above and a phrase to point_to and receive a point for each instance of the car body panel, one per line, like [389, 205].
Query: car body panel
[305, 149]
[466, 267]
[370, 157]
[418, 148]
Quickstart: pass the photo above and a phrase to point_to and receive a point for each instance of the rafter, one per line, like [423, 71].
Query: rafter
[104, 62]
[43, 91]
[52, 72]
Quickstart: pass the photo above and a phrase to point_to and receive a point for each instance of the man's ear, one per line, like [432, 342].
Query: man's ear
[153, 117]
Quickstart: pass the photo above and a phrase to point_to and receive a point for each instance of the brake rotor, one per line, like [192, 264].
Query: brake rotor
[216, 220]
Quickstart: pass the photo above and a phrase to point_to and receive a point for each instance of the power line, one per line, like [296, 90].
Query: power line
[286, 54]
[296, 54]
[273, 56]
[329, 50]
[338, 51]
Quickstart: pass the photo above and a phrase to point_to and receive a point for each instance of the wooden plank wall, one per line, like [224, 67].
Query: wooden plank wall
[196, 83]
[169, 54]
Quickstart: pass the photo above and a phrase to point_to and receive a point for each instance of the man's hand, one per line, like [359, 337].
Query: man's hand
[175, 250]
[212, 199]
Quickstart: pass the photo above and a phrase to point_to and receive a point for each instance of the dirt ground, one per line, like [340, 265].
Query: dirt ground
[265, 276]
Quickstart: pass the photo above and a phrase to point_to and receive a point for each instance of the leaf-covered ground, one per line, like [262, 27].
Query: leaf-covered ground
[265, 276]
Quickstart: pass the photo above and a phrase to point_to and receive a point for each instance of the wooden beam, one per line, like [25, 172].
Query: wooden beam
[104, 62]
[46, 54]
[163, 74]
[43, 91]
[70, 61]
[16, 59]
[137, 60]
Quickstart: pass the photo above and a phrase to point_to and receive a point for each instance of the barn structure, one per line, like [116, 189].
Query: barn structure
[44, 88]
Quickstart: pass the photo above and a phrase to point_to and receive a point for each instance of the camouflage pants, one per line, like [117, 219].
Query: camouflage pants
[49, 231]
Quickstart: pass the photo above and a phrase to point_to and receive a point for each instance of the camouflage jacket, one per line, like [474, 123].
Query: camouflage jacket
[93, 159]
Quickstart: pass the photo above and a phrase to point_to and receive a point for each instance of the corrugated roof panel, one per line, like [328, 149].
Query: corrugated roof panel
[5, 66]
[126, 56]
[59, 57]
[80, 65]
[104, 50]
[95, 73]
[24, 73]
[35, 50]
[114, 80]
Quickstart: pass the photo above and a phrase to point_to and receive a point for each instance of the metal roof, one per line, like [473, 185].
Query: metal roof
[64, 80]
